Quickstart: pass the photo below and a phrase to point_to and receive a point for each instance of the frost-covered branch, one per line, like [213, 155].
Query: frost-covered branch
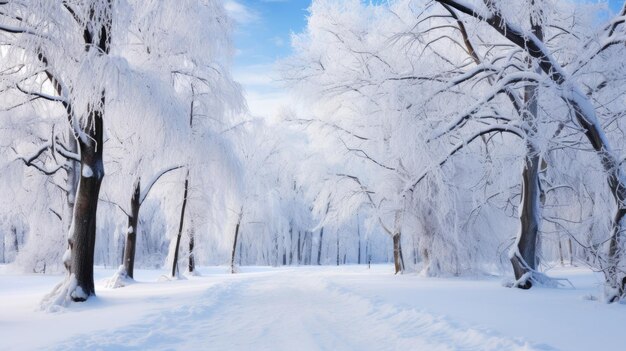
[145, 191]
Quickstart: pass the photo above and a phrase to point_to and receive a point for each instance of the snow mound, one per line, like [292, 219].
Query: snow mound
[61, 295]
[119, 280]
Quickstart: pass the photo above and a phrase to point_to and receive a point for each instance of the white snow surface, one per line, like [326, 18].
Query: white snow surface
[311, 308]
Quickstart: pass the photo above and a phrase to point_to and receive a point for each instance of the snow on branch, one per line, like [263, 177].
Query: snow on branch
[503, 128]
[146, 190]
[30, 161]
[502, 86]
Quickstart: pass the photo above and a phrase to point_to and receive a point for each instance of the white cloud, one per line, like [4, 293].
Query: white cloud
[267, 105]
[278, 41]
[259, 76]
[264, 94]
[240, 12]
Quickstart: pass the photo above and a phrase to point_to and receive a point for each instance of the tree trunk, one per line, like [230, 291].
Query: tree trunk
[180, 226]
[615, 278]
[192, 261]
[131, 231]
[276, 249]
[571, 254]
[83, 238]
[284, 255]
[319, 248]
[319, 251]
[524, 258]
[310, 250]
[299, 248]
[290, 244]
[358, 233]
[397, 253]
[232, 256]
[72, 181]
[16, 245]
[337, 248]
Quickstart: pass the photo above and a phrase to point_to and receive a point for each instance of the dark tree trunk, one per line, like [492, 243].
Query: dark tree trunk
[192, 261]
[180, 226]
[337, 249]
[571, 253]
[299, 248]
[524, 258]
[232, 256]
[89, 138]
[615, 279]
[276, 250]
[397, 253]
[310, 250]
[131, 231]
[16, 245]
[401, 256]
[83, 239]
[319, 247]
[290, 244]
[319, 250]
[358, 232]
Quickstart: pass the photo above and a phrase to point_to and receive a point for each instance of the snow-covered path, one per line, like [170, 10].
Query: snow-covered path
[289, 310]
[262, 309]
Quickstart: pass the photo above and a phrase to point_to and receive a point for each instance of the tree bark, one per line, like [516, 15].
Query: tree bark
[232, 256]
[180, 226]
[614, 277]
[319, 251]
[16, 245]
[524, 258]
[83, 238]
[131, 231]
[337, 248]
[358, 233]
[299, 257]
[192, 261]
[571, 253]
[290, 244]
[397, 253]
[319, 248]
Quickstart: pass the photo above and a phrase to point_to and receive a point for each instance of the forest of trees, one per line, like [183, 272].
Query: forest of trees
[449, 137]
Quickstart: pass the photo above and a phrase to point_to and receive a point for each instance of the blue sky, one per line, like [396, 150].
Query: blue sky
[262, 36]
[263, 33]
[265, 27]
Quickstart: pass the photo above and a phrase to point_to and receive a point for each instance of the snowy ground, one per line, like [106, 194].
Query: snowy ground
[311, 308]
